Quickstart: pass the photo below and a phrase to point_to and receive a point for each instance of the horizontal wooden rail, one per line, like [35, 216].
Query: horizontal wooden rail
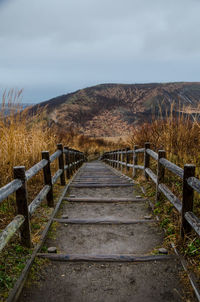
[56, 176]
[9, 189]
[151, 175]
[35, 169]
[10, 230]
[172, 167]
[141, 150]
[19, 185]
[152, 154]
[38, 199]
[171, 197]
[194, 221]
[120, 159]
[139, 167]
[194, 183]
[55, 155]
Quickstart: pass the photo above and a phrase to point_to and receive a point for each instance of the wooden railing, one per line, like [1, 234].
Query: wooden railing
[123, 158]
[69, 160]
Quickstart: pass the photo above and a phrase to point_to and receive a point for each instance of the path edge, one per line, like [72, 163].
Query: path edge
[19, 284]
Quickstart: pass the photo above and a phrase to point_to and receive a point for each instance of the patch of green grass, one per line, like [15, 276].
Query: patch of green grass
[35, 271]
[13, 260]
[192, 247]
[51, 233]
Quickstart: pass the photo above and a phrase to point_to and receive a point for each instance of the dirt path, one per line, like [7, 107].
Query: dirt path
[129, 234]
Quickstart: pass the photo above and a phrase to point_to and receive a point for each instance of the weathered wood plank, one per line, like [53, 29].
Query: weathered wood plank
[146, 159]
[22, 205]
[48, 178]
[151, 174]
[100, 185]
[130, 165]
[135, 160]
[187, 198]
[61, 165]
[141, 150]
[104, 200]
[66, 167]
[194, 221]
[194, 183]
[172, 167]
[10, 230]
[170, 196]
[152, 154]
[104, 221]
[10, 188]
[122, 163]
[35, 169]
[56, 176]
[38, 199]
[139, 167]
[55, 155]
[130, 151]
[105, 258]
[160, 173]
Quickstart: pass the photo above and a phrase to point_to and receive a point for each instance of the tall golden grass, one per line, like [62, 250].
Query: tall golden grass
[20, 143]
[178, 133]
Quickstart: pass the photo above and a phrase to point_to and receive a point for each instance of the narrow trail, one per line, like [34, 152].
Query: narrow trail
[105, 243]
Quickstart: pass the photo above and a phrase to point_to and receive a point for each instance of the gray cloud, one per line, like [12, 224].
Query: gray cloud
[52, 47]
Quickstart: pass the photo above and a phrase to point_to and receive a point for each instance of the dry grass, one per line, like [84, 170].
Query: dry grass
[20, 143]
[178, 135]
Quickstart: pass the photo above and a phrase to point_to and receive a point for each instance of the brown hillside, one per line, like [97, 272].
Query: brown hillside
[112, 109]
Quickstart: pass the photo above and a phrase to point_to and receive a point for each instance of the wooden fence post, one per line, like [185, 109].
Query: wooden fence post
[118, 159]
[67, 162]
[70, 162]
[79, 158]
[115, 158]
[146, 159]
[160, 173]
[73, 159]
[127, 159]
[122, 158]
[61, 165]
[135, 160]
[22, 206]
[47, 178]
[187, 198]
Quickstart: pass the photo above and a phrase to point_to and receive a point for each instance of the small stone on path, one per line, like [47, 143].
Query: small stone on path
[162, 250]
[52, 249]
[148, 217]
[138, 196]
[65, 216]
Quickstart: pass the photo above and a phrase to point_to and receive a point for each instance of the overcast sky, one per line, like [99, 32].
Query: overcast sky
[52, 47]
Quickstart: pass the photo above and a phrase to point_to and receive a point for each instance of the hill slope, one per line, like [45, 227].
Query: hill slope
[113, 109]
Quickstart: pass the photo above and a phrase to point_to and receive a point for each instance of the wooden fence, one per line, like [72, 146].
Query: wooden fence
[69, 160]
[129, 159]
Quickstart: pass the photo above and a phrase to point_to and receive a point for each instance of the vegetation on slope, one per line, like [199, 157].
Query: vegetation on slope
[114, 109]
